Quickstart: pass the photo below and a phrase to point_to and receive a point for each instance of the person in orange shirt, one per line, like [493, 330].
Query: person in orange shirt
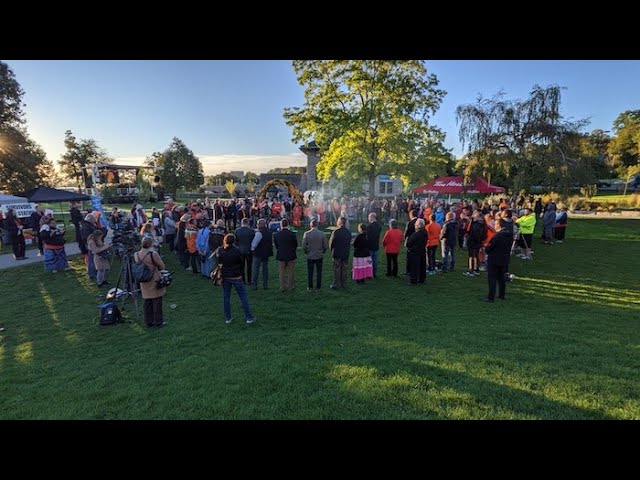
[190, 234]
[489, 222]
[433, 236]
[391, 243]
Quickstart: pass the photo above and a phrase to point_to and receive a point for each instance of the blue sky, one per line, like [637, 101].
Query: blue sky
[230, 112]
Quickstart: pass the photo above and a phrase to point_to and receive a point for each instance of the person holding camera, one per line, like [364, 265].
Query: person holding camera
[151, 294]
[230, 258]
[101, 256]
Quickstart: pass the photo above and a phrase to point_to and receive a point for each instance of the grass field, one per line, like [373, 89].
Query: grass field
[564, 345]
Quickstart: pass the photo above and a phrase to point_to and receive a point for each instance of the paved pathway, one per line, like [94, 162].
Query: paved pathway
[7, 260]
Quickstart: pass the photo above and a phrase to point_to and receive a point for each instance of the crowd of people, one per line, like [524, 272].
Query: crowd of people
[241, 237]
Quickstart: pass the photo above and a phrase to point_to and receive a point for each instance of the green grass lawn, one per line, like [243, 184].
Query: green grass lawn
[564, 345]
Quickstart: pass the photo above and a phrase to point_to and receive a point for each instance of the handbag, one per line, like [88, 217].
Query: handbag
[216, 275]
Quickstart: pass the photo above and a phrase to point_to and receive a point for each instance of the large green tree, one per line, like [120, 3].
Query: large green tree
[523, 141]
[178, 167]
[23, 163]
[624, 148]
[79, 155]
[369, 117]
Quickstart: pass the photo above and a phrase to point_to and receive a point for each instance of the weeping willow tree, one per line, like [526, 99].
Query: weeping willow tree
[369, 117]
[523, 141]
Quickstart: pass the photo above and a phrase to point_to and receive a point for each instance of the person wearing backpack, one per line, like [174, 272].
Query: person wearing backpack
[151, 294]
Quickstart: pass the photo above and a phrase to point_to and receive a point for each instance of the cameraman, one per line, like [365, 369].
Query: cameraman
[151, 294]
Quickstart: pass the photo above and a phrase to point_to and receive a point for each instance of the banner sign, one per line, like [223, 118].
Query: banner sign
[96, 206]
[21, 210]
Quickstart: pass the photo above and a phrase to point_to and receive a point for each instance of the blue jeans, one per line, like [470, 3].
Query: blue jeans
[242, 293]
[255, 271]
[448, 251]
[374, 259]
[91, 267]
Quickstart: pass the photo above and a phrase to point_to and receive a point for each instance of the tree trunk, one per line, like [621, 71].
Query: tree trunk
[372, 185]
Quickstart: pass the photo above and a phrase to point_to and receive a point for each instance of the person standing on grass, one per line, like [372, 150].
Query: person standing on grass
[561, 224]
[286, 243]
[339, 244]
[448, 237]
[262, 249]
[169, 230]
[87, 227]
[416, 253]
[95, 244]
[527, 223]
[229, 257]
[373, 237]
[548, 221]
[409, 229]
[55, 257]
[498, 250]
[362, 263]
[35, 224]
[245, 236]
[76, 219]
[314, 246]
[477, 234]
[13, 226]
[391, 243]
[152, 295]
[433, 237]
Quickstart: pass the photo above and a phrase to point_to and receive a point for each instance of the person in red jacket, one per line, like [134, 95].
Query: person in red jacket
[391, 243]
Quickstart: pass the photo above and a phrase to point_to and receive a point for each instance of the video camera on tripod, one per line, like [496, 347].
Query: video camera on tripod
[126, 240]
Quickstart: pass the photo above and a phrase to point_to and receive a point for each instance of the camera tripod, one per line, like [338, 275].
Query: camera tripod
[516, 237]
[130, 287]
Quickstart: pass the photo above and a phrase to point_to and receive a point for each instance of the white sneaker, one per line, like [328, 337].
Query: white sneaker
[228, 321]
[38, 254]
[251, 320]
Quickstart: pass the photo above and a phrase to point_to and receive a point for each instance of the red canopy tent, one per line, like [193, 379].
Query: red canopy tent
[456, 185]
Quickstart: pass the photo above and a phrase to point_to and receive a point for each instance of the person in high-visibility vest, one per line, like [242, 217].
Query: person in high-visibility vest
[527, 223]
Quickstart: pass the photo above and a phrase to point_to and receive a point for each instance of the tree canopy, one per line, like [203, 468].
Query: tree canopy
[624, 148]
[369, 117]
[81, 154]
[524, 142]
[23, 163]
[178, 167]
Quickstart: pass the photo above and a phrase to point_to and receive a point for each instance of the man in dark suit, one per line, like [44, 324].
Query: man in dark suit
[498, 250]
[245, 236]
[286, 243]
[339, 244]
[408, 231]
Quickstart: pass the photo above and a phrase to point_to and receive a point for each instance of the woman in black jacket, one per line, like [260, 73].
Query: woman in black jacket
[13, 226]
[230, 258]
[362, 263]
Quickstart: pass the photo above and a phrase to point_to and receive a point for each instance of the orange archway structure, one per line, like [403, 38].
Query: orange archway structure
[293, 191]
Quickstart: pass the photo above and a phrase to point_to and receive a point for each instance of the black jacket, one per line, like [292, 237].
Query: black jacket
[417, 242]
[499, 249]
[286, 243]
[76, 216]
[410, 228]
[449, 233]
[340, 243]
[373, 235]
[244, 236]
[216, 237]
[361, 246]
[231, 261]
[264, 249]
[477, 234]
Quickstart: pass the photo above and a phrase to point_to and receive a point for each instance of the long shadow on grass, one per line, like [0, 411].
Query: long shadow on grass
[420, 388]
